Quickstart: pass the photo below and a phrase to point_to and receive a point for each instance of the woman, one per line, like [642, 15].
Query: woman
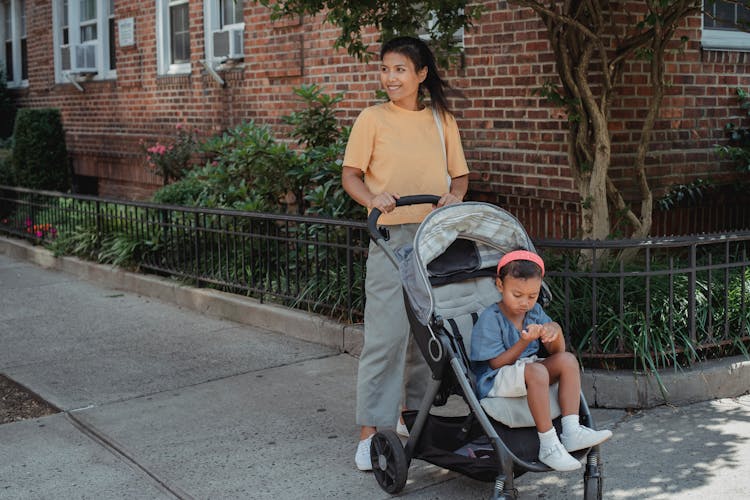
[395, 149]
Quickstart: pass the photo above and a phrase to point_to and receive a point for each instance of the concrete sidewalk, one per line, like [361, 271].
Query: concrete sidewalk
[163, 402]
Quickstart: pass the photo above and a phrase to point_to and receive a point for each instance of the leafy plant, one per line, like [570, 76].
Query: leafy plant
[651, 328]
[83, 241]
[247, 169]
[316, 125]
[691, 193]
[40, 157]
[171, 160]
[738, 148]
[6, 168]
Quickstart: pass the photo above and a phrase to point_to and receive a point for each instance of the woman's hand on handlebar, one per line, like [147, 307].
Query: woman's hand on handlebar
[448, 199]
[385, 202]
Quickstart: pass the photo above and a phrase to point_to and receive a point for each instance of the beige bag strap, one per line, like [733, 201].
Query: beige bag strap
[439, 124]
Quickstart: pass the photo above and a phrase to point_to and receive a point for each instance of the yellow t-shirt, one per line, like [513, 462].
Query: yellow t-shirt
[400, 152]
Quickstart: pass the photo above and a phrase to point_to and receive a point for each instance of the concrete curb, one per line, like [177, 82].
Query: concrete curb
[729, 377]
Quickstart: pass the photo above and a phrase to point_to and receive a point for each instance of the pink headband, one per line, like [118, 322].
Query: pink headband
[520, 255]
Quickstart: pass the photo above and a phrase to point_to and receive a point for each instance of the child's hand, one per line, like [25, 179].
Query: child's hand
[549, 333]
[532, 332]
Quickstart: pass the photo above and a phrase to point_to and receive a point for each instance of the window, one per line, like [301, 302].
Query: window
[111, 27]
[13, 34]
[721, 21]
[231, 12]
[225, 30]
[83, 35]
[173, 36]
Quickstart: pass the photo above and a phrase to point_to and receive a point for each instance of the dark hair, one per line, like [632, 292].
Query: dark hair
[520, 269]
[420, 54]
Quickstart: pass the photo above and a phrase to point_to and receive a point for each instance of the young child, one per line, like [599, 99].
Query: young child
[504, 346]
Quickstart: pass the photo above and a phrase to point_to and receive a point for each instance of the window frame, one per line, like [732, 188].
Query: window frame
[726, 39]
[213, 21]
[16, 21]
[104, 46]
[164, 63]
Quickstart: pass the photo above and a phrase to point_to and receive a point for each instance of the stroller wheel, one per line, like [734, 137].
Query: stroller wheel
[389, 461]
[592, 488]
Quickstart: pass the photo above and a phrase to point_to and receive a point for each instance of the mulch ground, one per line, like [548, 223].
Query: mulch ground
[17, 403]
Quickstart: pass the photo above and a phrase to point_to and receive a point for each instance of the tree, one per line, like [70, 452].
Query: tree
[592, 47]
[587, 41]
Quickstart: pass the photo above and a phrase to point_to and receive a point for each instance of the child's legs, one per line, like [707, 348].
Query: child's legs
[563, 367]
[537, 394]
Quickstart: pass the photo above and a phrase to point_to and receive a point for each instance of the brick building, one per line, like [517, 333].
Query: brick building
[126, 71]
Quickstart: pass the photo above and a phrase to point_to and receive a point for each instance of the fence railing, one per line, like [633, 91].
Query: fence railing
[667, 302]
[308, 262]
[674, 300]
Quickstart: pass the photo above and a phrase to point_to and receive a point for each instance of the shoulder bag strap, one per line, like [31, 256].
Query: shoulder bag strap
[439, 123]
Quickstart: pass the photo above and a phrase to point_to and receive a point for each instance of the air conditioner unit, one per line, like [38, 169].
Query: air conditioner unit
[85, 60]
[229, 43]
[65, 58]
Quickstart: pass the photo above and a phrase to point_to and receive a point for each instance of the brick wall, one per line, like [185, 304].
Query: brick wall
[515, 143]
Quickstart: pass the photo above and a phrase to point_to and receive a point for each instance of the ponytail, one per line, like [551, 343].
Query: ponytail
[421, 55]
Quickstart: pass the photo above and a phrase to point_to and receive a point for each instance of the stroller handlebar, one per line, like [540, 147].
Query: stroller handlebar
[419, 199]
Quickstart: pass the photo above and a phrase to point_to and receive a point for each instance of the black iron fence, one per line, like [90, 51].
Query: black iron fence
[305, 262]
[652, 303]
[668, 302]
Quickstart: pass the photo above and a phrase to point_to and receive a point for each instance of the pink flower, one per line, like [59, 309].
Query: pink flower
[39, 234]
[28, 222]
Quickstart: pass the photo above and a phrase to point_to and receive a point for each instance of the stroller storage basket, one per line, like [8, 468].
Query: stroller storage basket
[444, 442]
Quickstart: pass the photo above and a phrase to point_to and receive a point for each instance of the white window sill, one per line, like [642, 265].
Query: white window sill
[725, 40]
[23, 85]
[177, 69]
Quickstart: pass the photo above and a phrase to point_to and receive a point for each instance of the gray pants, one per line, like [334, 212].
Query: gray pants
[391, 368]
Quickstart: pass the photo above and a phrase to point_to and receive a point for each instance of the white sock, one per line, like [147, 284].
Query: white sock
[569, 424]
[548, 439]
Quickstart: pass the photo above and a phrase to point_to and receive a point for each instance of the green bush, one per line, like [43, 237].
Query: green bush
[248, 166]
[185, 192]
[173, 159]
[6, 173]
[7, 109]
[40, 158]
[738, 147]
[249, 169]
[653, 330]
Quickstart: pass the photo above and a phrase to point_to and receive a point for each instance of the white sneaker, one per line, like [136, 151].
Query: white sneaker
[583, 437]
[362, 458]
[558, 459]
[401, 429]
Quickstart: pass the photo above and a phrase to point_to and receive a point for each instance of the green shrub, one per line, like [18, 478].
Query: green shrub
[653, 330]
[6, 173]
[173, 159]
[184, 192]
[40, 158]
[316, 179]
[738, 148]
[247, 170]
[250, 170]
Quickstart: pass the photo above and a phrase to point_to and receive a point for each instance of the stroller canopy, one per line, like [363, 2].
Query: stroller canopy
[492, 231]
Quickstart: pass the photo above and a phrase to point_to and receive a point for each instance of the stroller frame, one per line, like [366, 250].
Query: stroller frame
[446, 355]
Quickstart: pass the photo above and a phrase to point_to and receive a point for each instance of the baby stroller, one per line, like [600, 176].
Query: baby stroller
[448, 277]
